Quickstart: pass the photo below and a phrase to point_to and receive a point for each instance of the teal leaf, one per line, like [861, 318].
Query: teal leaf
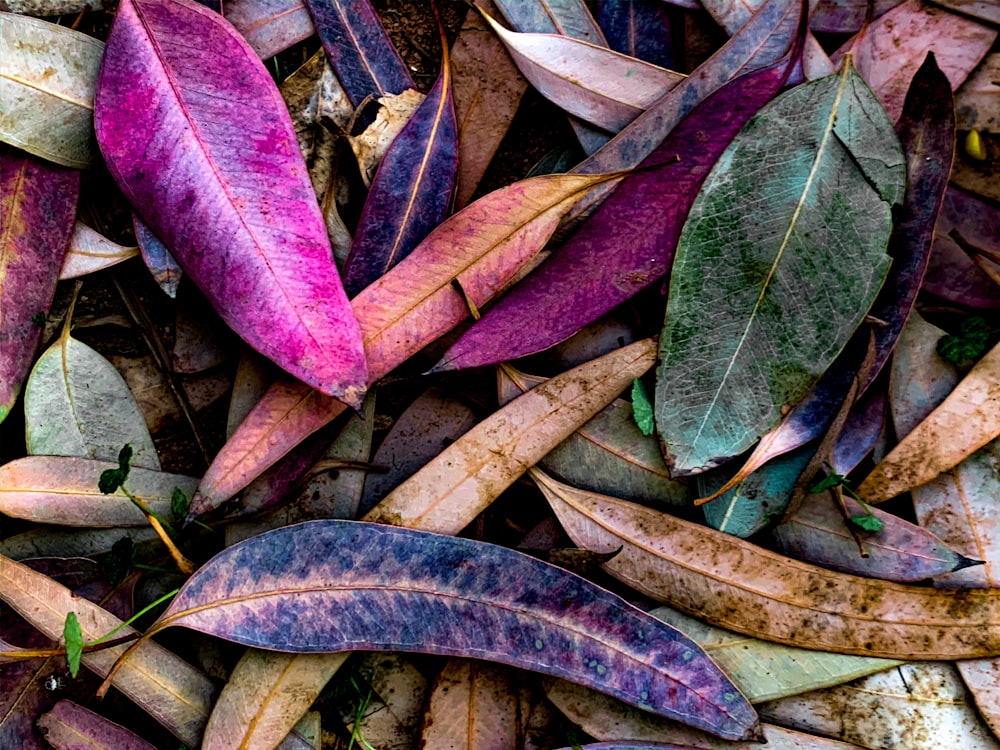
[642, 409]
[782, 255]
[73, 636]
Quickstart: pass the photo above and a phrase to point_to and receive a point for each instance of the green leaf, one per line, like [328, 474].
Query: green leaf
[111, 480]
[73, 636]
[124, 457]
[781, 256]
[867, 522]
[642, 409]
[179, 504]
[828, 483]
[969, 346]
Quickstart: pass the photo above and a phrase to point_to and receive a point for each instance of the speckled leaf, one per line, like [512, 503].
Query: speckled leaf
[411, 191]
[47, 75]
[48, 7]
[62, 490]
[767, 671]
[605, 718]
[890, 51]
[819, 533]
[76, 404]
[845, 16]
[483, 246]
[37, 207]
[269, 26]
[761, 41]
[313, 588]
[449, 492]
[91, 251]
[594, 83]
[977, 101]
[985, 10]
[168, 688]
[780, 259]
[225, 186]
[769, 596]
[360, 51]
[626, 245]
[969, 417]
[265, 696]
[161, 263]
[920, 706]
[607, 454]
[70, 726]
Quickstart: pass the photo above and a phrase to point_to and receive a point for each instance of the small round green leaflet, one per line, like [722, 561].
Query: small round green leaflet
[782, 255]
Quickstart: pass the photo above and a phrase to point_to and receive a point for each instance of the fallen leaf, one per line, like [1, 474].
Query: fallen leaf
[158, 259]
[72, 542]
[638, 28]
[570, 18]
[69, 726]
[411, 191]
[732, 357]
[37, 206]
[982, 9]
[270, 26]
[168, 688]
[373, 143]
[49, 73]
[252, 237]
[449, 492]
[772, 597]
[966, 420]
[90, 251]
[351, 575]
[889, 51]
[845, 16]
[63, 490]
[919, 706]
[360, 51]
[977, 101]
[601, 86]
[395, 692]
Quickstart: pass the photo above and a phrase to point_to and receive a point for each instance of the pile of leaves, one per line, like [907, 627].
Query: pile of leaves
[281, 397]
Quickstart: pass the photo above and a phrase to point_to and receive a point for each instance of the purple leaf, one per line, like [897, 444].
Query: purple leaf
[198, 138]
[640, 28]
[37, 211]
[360, 51]
[166, 271]
[864, 426]
[269, 26]
[627, 244]
[69, 726]
[411, 190]
[926, 132]
[330, 586]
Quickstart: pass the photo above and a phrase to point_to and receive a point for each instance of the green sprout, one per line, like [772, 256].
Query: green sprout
[867, 520]
[642, 409]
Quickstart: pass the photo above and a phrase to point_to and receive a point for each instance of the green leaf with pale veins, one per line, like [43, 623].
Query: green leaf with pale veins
[780, 259]
[642, 409]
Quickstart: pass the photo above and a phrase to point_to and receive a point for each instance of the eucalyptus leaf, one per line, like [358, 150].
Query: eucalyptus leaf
[780, 259]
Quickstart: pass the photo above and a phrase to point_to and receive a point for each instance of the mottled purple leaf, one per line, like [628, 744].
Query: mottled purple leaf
[69, 726]
[761, 41]
[166, 271]
[269, 26]
[198, 138]
[819, 533]
[360, 51]
[926, 132]
[37, 211]
[863, 428]
[411, 190]
[329, 586]
[640, 28]
[845, 16]
[627, 745]
[627, 244]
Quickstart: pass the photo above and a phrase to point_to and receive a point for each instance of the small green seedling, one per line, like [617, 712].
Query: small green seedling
[179, 504]
[39, 318]
[867, 520]
[359, 714]
[642, 409]
[971, 343]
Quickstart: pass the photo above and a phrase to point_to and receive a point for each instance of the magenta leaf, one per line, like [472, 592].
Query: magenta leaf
[329, 586]
[411, 190]
[627, 244]
[360, 51]
[198, 138]
[69, 726]
[37, 212]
